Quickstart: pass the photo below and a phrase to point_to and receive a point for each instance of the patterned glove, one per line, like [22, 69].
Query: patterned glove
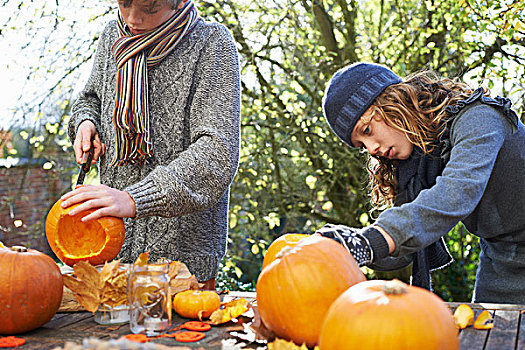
[353, 241]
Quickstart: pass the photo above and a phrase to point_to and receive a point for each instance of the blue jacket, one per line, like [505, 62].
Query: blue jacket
[482, 185]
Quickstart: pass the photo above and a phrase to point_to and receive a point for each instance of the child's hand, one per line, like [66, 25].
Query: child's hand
[106, 201]
[85, 133]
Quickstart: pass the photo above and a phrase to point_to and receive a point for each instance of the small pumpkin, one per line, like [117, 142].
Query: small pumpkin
[286, 240]
[295, 291]
[31, 289]
[388, 315]
[197, 304]
[72, 240]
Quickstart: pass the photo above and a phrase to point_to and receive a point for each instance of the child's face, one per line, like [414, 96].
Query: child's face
[142, 17]
[371, 132]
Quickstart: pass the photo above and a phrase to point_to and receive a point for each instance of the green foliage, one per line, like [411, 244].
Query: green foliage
[456, 281]
[294, 174]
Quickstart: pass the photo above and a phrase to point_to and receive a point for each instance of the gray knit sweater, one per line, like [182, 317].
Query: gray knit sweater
[182, 192]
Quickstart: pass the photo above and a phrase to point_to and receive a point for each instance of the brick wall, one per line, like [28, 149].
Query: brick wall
[27, 192]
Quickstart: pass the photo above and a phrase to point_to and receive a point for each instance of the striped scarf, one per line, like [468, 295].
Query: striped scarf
[134, 55]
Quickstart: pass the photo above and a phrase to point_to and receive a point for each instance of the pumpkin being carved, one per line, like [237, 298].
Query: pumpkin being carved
[31, 288]
[196, 303]
[286, 240]
[72, 240]
[388, 315]
[295, 291]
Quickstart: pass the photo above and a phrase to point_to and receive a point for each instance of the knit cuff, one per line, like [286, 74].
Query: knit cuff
[377, 243]
[148, 199]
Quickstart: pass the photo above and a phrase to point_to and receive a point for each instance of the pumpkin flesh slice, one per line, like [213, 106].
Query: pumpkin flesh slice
[463, 316]
[484, 321]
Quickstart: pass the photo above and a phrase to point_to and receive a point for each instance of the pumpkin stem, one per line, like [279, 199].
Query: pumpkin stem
[19, 249]
[394, 287]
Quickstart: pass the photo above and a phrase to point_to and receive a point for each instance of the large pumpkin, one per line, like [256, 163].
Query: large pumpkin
[72, 240]
[30, 289]
[295, 291]
[388, 315]
[196, 303]
[286, 240]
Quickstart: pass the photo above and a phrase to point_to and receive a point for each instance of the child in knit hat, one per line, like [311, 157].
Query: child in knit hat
[162, 108]
[439, 153]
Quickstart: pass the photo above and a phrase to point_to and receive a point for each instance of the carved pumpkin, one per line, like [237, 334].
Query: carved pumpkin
[388, 315]
[286, 240]
[295, 291]
[72, 240]
[30, 289]
[196, 303]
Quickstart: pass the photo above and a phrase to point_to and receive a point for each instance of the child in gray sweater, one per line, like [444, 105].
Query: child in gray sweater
[441, 153]
[162, 111]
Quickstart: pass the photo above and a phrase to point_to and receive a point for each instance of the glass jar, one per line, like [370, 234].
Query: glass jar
[114, 315]
[149, 299]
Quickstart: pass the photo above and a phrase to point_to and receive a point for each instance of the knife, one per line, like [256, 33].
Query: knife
[87, 157]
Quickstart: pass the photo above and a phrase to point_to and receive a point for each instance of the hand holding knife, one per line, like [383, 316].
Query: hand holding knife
[87, 157]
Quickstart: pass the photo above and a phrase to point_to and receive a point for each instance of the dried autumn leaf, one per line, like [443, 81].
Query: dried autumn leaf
[86, 272]
[179, 284]
[174, 268]
[463, 316]
[229, 311]
[258, 325]
[484, 321]
[109, 270]
[88, 298]
[281, 344]
[142, 260]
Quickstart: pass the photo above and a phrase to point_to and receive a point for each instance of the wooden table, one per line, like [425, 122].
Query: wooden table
[508, 331]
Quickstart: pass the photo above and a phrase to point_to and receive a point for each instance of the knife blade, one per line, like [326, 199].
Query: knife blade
[87, 157]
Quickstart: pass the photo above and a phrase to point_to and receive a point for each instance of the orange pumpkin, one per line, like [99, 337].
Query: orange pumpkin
[388, 315]
[30, 289]
[196, 303]
[295, 291]
[286, 240]
[72, 240]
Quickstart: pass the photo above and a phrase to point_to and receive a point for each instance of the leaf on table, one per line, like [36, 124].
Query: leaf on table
[281, 344]
[258, 326]
[229, 311]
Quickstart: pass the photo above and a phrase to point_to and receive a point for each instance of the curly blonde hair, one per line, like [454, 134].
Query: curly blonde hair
[416, 107]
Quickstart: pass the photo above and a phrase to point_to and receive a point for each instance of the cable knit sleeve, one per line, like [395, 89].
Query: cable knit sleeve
[200, 175]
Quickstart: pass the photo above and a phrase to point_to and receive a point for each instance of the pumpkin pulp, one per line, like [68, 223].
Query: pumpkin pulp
[75, 243]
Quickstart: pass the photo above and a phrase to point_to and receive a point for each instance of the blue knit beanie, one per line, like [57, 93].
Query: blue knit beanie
[349, 94]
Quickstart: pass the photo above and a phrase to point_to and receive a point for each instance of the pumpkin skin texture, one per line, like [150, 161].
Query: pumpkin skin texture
[295, 291]
[196, 303]
[31, 288]
[388, 315]
[286, 240]
[72, 240]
